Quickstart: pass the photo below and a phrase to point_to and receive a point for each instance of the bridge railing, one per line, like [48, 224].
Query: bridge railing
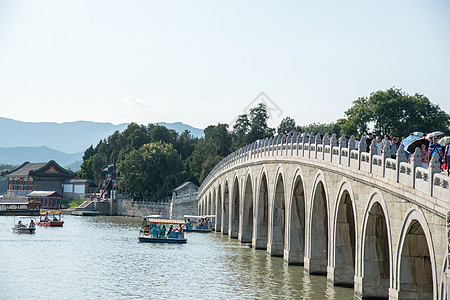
[342, 152]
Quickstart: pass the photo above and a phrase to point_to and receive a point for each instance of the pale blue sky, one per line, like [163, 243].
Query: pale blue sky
[203, 62]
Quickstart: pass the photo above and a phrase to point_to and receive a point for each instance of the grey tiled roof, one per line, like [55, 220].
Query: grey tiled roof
[24, 169]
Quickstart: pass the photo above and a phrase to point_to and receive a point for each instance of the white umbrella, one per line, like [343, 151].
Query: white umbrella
[445, 140]
[433, 134]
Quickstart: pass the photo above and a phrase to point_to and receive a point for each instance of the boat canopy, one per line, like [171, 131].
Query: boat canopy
[166, 221]
[152, 216]
[199, 217]
[50, 212]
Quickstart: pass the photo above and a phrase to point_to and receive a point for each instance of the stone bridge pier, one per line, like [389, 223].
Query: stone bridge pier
[365, 221]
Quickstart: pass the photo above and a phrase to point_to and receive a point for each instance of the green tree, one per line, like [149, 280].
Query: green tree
[150, 172]
[396, 112]
[286, 125]
[258, 123]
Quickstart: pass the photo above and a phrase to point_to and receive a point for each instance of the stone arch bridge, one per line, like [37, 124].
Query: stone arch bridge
[367, 221]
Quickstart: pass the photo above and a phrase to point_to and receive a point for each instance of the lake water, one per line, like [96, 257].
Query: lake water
[100, 258]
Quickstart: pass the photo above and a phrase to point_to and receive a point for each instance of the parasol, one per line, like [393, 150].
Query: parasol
[408, 140]
[445, 140]
[417, 144]
[417, 133]
[433, 134]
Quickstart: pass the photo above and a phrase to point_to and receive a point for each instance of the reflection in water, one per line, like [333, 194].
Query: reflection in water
[99, 257]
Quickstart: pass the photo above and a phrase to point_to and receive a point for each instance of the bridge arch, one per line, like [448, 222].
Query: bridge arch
[226, 207]
[416, 266]
[213, 202]
[318, 233]
[345, 237]
[219, 210]
[376, 259]
[246, 228]
[443, 283]
[261, 226]
[295, 253]
[209, 203]
[234, 208]
[277, 216]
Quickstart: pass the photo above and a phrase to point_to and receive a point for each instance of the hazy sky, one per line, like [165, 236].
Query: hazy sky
[204, 62]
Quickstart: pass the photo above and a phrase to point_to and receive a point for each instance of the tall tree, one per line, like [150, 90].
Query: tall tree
[286, 125]
[396, 112]
[150, 171]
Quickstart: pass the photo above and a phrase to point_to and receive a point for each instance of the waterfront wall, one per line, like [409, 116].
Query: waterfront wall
[127, 207]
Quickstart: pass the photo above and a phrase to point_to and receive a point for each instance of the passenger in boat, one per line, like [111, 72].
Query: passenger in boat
[31, 224]
[180, 228]
[154, 231]
[170, 231]
[162, 232]
[55, 218]
[188, 224]
[19, 224]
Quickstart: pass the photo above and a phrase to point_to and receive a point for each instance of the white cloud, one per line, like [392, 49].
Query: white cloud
[138, 101]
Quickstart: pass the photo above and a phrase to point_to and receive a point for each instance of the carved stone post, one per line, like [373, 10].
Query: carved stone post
[361, 148]
[342, 144]
[401, 157]
[317, 142]
[433, 168]
[303, 143]
[333, 143]
[351, 146]
[310, 142]
[416, 161]
[386, 154]
[325, 142]
[372, 151]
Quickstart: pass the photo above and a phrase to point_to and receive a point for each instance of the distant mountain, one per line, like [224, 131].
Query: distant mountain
[19, 155]
[68, 137]
[180, 127]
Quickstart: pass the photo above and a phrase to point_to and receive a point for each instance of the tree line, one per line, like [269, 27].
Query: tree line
[151, 160]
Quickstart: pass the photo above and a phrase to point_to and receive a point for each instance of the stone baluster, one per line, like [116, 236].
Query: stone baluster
[266, 146]
[325, 142]
[416, 161]
[293, 139]
[303, 143]
[387, 149]
[351, 146]
[342, 144]
[310, 142]
[399, 158]
[373, 150]
[270, 146]
[433, 168]
[362, 146]
[317, 142]
[333, 143]
[351, 143]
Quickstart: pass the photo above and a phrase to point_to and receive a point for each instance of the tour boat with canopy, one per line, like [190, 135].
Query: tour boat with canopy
[154, 230]
[51, 218]
[21, 227]
[198, 223]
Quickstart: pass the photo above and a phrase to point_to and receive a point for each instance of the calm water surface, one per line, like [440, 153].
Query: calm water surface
[100, 258]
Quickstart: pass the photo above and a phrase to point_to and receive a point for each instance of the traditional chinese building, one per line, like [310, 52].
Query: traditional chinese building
[30, 177]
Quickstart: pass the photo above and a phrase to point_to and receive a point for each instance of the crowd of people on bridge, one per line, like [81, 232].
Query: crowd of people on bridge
[428, 147]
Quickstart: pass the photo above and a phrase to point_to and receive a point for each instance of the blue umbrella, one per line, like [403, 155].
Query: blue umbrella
[408, 140]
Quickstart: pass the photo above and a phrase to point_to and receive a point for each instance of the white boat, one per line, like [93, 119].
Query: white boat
[153, 230]
[199, 223]
[21, 227]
